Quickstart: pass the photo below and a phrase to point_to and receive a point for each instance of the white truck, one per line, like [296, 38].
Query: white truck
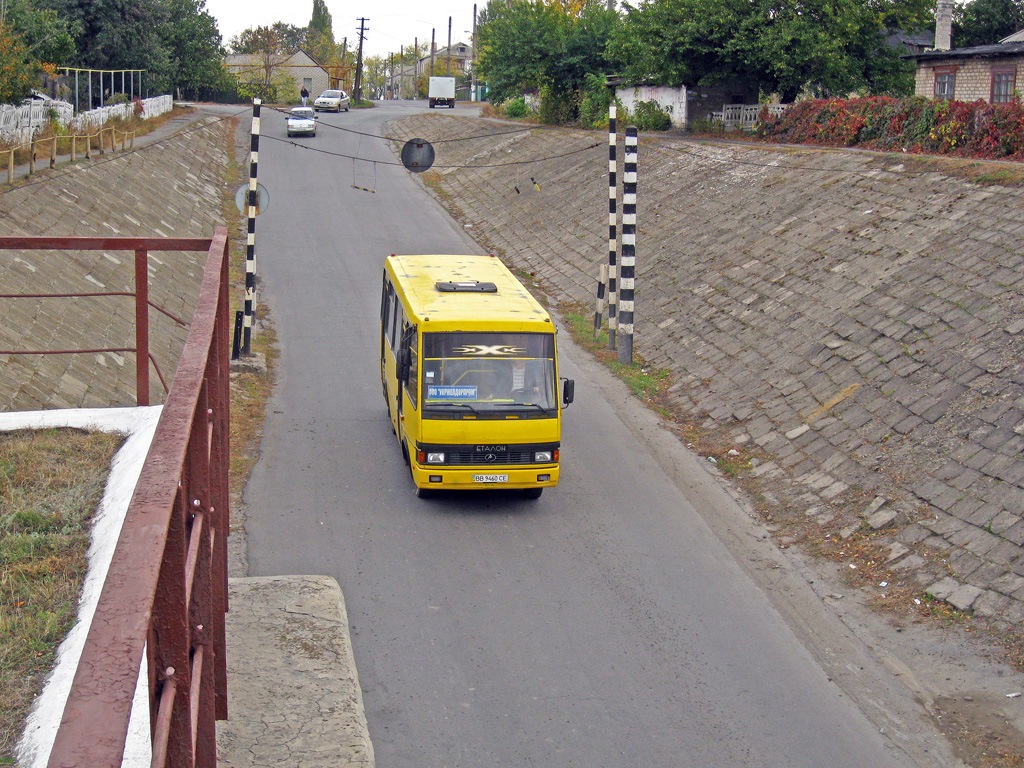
[441, 92]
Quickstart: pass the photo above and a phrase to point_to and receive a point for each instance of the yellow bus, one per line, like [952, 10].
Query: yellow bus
[469, 370]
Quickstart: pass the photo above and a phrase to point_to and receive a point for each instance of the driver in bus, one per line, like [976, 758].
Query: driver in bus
[526, 380]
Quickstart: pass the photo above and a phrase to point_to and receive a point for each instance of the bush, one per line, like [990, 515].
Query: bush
[557, 107]
[649, 116]
[914, 124]
[597, 98]
[515, 108]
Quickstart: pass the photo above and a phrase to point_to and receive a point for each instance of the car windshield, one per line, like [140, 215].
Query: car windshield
[331, 95]
[302, 113]
[489, 372]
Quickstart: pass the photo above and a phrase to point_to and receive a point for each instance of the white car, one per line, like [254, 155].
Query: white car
[332, 100]
[301, 120]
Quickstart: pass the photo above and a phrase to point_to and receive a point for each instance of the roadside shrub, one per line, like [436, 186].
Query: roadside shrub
[557, 107]
[975, 129]
[515, 108]
[705, 126]
[649, 116]
[594, 104]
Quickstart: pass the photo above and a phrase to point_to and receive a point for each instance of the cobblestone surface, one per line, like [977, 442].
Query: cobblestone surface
[856, 318]
[166, 188]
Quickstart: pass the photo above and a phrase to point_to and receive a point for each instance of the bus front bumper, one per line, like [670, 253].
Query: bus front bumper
[485, 478]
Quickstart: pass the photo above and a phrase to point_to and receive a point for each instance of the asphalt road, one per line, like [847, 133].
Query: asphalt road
[605, 624]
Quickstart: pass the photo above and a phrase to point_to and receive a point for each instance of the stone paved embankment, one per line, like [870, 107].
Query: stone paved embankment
[166, 187]
[855, 319]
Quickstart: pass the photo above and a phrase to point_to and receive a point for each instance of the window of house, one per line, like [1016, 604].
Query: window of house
[945, 81]
[1002, 84]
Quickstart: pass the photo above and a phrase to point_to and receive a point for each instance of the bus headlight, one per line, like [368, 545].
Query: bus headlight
[435, 457]
[542, 457]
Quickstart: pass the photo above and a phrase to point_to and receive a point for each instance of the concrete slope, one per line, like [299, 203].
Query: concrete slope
[165, 187]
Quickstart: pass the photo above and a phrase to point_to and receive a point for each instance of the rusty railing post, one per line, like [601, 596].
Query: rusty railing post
[142, 327]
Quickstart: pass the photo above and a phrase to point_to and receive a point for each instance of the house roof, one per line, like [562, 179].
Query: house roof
[1016, 37]
[902, 37]
[999, 50]
[250, 60]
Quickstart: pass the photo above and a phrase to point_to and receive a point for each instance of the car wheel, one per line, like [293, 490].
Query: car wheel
[533, 493]
[346, 109]
[424, 493]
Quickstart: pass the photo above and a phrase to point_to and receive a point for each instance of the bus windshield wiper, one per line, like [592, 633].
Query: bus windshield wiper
[529, 405]
[450, 405]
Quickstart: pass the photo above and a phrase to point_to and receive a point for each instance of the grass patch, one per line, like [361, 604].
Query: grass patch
[652, 385]
[51, 482]
[434, 181]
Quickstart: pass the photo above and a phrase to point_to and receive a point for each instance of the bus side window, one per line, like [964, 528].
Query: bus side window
[388, 314]
[396, 323]
[409, 346]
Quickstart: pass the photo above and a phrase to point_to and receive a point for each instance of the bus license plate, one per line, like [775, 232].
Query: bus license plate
[490, 478]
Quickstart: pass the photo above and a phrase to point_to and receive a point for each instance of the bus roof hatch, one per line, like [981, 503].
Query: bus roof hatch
[466, 286]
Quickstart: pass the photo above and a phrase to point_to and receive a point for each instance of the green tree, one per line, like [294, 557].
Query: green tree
[777, 46]
[986, 22]
[48, 37]
[194, 45]
[320, 35]
[524, 45]
[287, 37]
[375, 78]
[121, 34]
[16, 72]
[267, 77]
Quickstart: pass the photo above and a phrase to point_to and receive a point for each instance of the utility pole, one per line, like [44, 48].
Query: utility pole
[433, 51]
[416, 68]
[448, 71]
[344, 52]
[472, 71]
[356, 88]
[401, 72]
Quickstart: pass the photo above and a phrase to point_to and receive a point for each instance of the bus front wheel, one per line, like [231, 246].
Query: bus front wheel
[533, 493]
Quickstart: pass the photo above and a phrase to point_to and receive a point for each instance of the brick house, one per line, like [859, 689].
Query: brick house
[992, 73]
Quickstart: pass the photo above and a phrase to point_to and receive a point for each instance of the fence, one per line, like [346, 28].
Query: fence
[47, 148]
[745, 116]
[21, 122]
[80, 127]
[165, 595]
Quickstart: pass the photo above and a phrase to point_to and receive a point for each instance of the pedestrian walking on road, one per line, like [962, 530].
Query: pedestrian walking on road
[304, 94]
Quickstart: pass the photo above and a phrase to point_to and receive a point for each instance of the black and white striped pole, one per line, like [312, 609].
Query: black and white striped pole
[628, 266]
[612, 223]
[250, 243]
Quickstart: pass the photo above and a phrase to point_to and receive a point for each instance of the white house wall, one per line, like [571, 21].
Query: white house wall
[672, 100]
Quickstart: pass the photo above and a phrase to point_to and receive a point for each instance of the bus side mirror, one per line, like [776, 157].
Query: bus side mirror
[568, 391]
[404, 362]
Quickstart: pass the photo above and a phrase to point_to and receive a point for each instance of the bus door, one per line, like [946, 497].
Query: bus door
[408, 368]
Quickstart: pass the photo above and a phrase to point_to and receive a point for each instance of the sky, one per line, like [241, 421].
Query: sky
[390, 23]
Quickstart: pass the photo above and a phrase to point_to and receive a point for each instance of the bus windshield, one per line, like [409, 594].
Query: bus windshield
[489, 372]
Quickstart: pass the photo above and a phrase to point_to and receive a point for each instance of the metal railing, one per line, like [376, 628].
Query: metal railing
[166, 590]
[745, 116]
[141, 246]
